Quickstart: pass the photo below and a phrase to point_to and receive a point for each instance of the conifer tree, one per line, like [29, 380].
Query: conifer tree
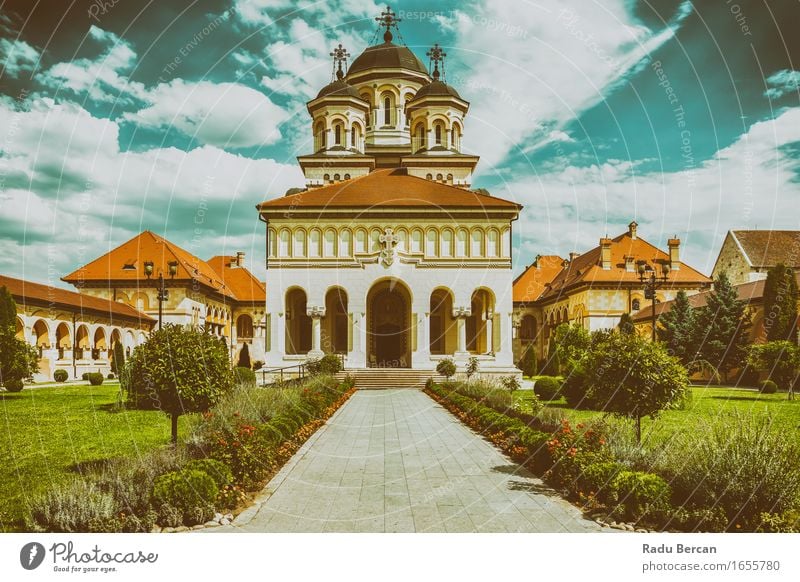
[780, 304]
[678, 329]
[723, 326]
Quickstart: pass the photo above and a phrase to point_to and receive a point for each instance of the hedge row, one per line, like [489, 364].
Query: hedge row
[576, 461]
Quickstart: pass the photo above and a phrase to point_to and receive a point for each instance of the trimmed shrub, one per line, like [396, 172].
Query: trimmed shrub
[79, 506]
[574, 390]
[640, 495]
[85, 376]
[329, 364]
[191, 492]
[60, 375]
[218, 471]
[548, 387]
[95, 378]
[769, 387]
[110, 376]
[244, 376]
[446, 367]
[598, 479]
[14, 385]
[528, 363]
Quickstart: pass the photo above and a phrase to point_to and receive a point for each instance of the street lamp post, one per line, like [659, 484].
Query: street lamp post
[163, 293]
[652, 282]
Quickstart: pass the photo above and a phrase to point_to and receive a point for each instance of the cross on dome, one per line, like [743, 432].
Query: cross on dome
[389, 20]
[436, 56]
[340, 56]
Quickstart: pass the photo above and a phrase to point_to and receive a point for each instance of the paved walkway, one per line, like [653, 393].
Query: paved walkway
[395, 461]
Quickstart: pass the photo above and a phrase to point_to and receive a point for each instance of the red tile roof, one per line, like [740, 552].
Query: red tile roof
[767, 248]
[36, 294]
[586, 269]
[388, 188]
[752, 292]
[530, 284]
[244, 285]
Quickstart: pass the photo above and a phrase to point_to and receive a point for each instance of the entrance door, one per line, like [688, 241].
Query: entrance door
[388, 323]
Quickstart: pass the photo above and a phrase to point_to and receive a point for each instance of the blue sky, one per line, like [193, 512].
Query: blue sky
[180, 117]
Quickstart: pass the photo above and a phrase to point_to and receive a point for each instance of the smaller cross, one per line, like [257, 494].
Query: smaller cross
[436, 56]
[340, 56]
[389, 20]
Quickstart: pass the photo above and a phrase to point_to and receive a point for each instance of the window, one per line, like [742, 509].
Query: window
[387, 111]
[636, 305]
[438, 134]
[429, 176]
[439, 177]
[338, 134]
[336, 177]
[347, 176]
[353, 137]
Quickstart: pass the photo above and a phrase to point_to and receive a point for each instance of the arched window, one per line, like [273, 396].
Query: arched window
[438, 131]
[450, 179]
[326, 178]
[337, 132]
[429, 176]
[387, 110]
[419, 137]
[336, 177]
[439, 177]
[353, 137]
[319, 136]
[347, 176]
[636, 305]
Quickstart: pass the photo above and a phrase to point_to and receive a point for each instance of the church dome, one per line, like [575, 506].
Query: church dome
[387, 56]
[437, 88]
[339, 88]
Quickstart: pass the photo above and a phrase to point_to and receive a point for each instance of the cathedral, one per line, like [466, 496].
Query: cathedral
[387, 257]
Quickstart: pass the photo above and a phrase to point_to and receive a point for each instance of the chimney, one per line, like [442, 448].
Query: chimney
[632, 228]
[674, 245]
[240, 259]
[535, 263]
[605, 253]
[573, 255]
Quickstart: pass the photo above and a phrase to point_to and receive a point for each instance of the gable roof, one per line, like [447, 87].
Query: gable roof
[767, 248]
[529, 285]
[28, 293]
[388, 188]
[239, 280]
[586, 269]
[126, 264]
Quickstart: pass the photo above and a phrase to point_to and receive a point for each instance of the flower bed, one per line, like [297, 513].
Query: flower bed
[234, 448]
[577, 461]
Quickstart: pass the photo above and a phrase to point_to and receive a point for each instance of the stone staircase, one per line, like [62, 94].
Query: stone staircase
[386, 378]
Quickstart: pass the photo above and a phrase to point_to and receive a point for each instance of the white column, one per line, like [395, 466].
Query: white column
[421, 358]
[490, 332]
[316, 313]
[462, 334]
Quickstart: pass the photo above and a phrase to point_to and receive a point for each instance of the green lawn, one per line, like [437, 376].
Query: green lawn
[48, 434]
[707, 404]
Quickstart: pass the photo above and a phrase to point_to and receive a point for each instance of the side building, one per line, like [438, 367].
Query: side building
[747, 255]
[72, 331]
[595, 288]
[220, 294]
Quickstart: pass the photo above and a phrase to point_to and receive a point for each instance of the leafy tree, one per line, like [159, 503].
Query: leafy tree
[678, 329]
[118, 359]
[572, 344]
[528, 362]
[780, 359]
[625, 324]
[632, 377]
[723, 327]
[179, 370]
[472, 367]
[18, 360]
[552, 365]
[446, 367]
[244, 358]
[780, 303]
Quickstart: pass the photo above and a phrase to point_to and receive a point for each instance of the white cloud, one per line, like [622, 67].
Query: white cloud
[102, 79]
[782, 82]
[68, 191]
[222, 114]
[752, 183]
[17, 57]
[535, 69]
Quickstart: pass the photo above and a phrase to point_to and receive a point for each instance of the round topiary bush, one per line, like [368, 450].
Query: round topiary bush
[60, 375]
[14, 385]
[95, 378]
[769, 387]
[85, 376]
[244, 375]
[446, 367]
[329, 364]
[191, 492]
[215, 469]
[548, 387]
[110, 376]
